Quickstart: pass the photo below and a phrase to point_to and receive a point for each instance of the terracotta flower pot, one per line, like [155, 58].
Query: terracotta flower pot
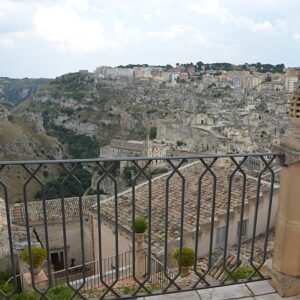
[185, 271]
[36, 271]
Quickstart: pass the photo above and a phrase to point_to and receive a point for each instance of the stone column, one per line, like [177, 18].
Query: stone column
[285, 270]
[140, 257]
[287, 238]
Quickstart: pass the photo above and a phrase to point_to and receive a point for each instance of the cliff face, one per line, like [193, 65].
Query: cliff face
[14, 91]
[22, 137]
[75, 114]
[82, 105]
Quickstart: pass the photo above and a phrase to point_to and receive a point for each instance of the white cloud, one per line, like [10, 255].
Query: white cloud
[199, 38]
[9, 40]
[67, 31]
[258, 27]
[127, 34]
[215, 9]
[210, 8]
[170, 33]
[147, 17]
[296, 36]
[6, 41]
[7, 6]
[81, 5]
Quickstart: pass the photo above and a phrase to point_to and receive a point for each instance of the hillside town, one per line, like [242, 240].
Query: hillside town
[209, 110]
[154, 125]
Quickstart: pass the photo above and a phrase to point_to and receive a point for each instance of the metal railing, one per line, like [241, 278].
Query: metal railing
[198, 205]
[92, 279]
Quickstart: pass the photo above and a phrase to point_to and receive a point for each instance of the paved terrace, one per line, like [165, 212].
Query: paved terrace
[255, 290]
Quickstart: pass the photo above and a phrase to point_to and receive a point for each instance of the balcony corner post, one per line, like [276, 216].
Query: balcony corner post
[285, 268]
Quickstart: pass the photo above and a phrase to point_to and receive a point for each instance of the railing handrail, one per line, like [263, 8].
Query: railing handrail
[92, 262]
[140, 158]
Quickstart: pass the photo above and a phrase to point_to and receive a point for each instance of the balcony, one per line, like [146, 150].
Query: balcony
[217, 212]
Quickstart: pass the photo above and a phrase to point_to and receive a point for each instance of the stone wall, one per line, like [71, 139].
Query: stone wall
[73, 232]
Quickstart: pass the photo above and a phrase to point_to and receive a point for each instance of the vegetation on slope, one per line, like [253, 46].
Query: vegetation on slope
[78, 145]
[17, 90]
[67, 184]
[72, 85]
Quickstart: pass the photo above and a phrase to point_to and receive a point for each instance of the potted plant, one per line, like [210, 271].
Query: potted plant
[39, 255]
[139, 227]
[188, 258]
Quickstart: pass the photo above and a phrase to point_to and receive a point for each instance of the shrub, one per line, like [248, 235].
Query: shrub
[25, 295]
[159, 170]
[128, 172]
[39, 255]
[60, 292]
[188, 256]
[241, 273]
[4, 276]
[180, 143]
[68, 111]
[153, 132]
[140, 225]
[6, 288]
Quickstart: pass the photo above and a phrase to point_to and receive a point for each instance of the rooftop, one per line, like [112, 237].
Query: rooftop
[53, 210]
[173, 182]
[19, 233]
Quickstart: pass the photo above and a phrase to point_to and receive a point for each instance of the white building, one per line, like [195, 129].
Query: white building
[236, 82]
[291, 84]
[207, 78]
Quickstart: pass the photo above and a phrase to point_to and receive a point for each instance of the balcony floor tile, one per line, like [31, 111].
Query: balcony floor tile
[179, 296]
[228, 292]
[260, 288]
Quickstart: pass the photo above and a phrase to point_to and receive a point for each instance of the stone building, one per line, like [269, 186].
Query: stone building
[158, 214]
[54, 218]
[85, 224]
[19, 238]
[290, 84]
[122, 148]
[294, 111]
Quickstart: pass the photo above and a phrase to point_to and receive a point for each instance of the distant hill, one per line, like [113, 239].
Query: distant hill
[84, 113]
[21, 138]
[14, 91]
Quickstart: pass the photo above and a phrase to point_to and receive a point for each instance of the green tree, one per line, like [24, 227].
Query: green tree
[128, 173]
[71, 188]
[153, 132]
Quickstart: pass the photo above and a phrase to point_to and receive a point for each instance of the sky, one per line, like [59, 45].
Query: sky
[48, 38]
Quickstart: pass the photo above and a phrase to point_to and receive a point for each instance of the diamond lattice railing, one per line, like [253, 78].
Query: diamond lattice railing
[216, 211]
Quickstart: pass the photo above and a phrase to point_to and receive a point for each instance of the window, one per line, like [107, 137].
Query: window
[244, 229]
[220, 240]
[57, 259]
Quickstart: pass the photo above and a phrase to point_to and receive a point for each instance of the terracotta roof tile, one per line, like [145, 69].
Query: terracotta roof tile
[159, 199]
[53, 210]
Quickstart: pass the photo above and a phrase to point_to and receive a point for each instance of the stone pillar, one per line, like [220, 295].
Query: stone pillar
[140, 257]
[285, 270]
[287, 238]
